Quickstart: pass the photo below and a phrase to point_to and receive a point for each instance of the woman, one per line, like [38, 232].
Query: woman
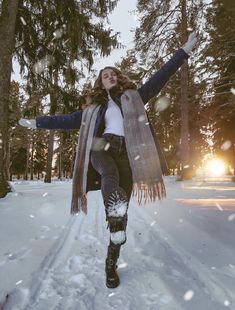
[117, 150]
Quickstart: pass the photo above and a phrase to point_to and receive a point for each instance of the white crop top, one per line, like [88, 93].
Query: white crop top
[113, 119]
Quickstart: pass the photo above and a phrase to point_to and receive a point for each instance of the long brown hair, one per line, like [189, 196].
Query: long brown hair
[99, 94]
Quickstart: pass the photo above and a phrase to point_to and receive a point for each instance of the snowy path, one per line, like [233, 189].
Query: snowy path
[179, 255]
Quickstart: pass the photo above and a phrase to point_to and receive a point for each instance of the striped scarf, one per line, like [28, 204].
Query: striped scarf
[144, 160]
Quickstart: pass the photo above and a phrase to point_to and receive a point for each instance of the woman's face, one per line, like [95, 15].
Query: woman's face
[108, 78]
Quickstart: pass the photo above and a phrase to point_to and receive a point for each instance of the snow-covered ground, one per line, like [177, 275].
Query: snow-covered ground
[180, 253]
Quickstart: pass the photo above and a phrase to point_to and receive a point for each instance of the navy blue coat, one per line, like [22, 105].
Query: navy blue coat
[147, 91]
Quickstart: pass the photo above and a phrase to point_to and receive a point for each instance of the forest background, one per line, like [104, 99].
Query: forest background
[56, 42]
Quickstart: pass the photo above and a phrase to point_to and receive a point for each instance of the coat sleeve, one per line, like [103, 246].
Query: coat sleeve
[153, 86]
[66, 121]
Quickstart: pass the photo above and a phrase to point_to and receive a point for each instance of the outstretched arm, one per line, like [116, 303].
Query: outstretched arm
[153, 86]
[68, 121]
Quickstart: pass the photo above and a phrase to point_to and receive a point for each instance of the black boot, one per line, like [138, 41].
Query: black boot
[112, 279]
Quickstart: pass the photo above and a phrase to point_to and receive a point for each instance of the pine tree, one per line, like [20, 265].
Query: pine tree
[164, 28]
[50, 36]
[221, 72]
[8, 15]
[56, 41]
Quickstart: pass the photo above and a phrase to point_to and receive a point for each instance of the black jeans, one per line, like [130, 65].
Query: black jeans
[113, 166]
[111, 161]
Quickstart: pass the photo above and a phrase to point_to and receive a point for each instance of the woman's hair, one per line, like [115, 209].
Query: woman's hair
[99, 94]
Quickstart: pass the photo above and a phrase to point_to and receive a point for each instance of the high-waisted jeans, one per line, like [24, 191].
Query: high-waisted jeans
[112, 163]
[113, 166]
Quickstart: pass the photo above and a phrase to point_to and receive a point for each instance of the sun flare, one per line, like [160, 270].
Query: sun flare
[215, 167]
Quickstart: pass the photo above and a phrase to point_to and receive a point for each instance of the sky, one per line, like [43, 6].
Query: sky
[123, 21]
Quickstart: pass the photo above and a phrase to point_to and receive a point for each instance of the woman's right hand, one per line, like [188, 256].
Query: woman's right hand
[30, 123]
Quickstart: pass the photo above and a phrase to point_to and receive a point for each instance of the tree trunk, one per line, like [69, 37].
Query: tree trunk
[8, 160]
[73, 155]
[31, 155]
[53, 97]
[60, 159]
[184, 145]
[233, 163]
[49, 157]
[7, 40]
[27, 164]
[61, 164]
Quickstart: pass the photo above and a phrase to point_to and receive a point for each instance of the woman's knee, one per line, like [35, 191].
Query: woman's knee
[104, 166]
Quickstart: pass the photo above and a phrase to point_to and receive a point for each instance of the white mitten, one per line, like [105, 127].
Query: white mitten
[30, 123]
[189, 45]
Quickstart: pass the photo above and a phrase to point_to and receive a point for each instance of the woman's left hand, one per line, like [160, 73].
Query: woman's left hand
[189, 45]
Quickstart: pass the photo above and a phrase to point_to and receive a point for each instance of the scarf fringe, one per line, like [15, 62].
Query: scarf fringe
[79, 201]
[149, 192]
[79, 204]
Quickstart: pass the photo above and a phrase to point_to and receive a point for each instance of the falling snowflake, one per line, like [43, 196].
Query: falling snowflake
[98, 144]
[23, 21]
[45, 194]
[153, 223]
[137, 157]
[19, 282]
[107, 146]
[43, 64]
[58, 33]
[219, 206]
[231, 217]
[226, 303]
[188, 295]
[141, 118]
[162, 104]
[32, 216]
[232, 90]
[226, 145]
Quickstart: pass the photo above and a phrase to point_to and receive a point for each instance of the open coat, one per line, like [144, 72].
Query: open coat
[147, 91]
